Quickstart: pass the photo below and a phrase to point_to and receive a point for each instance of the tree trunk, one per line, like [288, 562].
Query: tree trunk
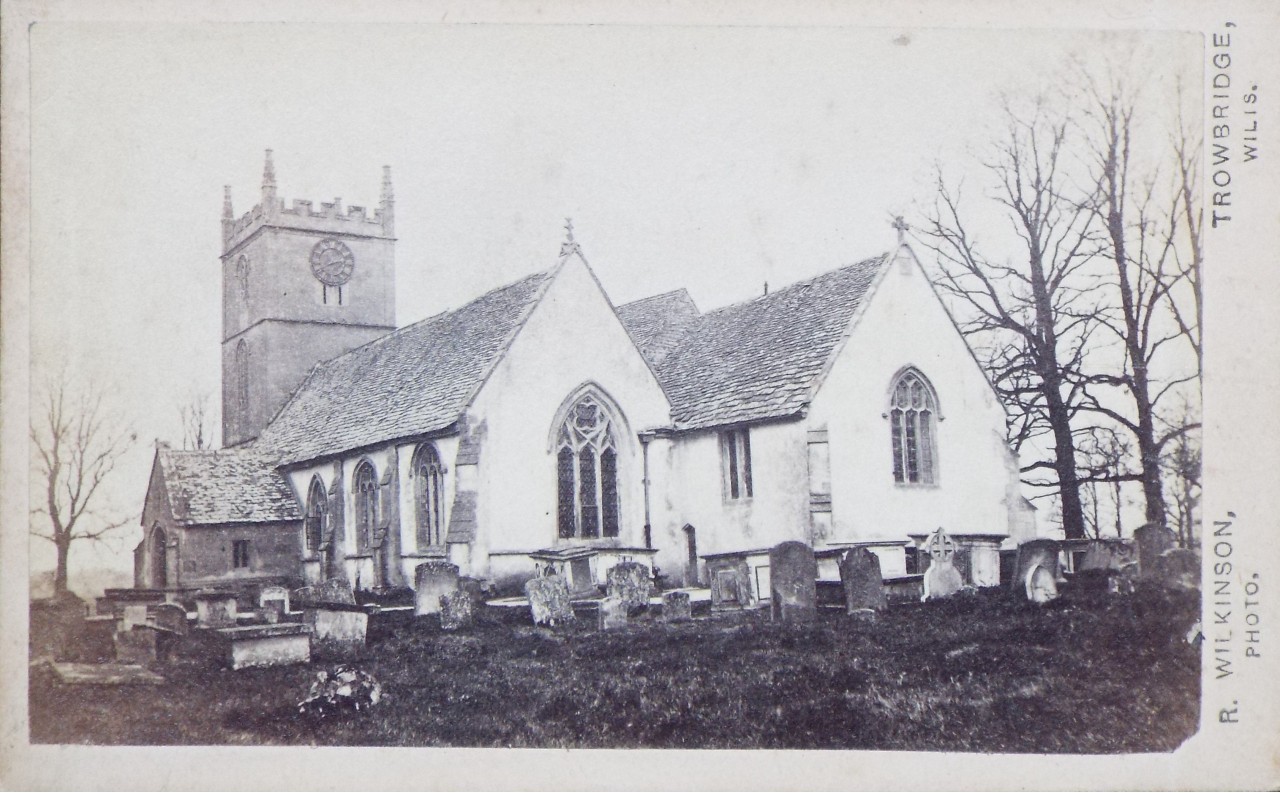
[60, 572]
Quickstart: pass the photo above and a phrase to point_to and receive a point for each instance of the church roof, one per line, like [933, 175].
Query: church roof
[657, 323]
[761, 359]
[414, 380]
[225, 486]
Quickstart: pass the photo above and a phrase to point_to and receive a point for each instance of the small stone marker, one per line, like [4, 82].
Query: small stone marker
[1033, 554]
[1152, 541]
[1042, 585]
[215, 610]
[457, 610]
[273, 602]
[942, 579]
[1179, 567]
[430, 581]
[676, 606]
[170, 617]
[332, 590]
[136, 645]
[862, 581]
[793, 582]
[549, 600]
[613, 613]
[631, 582]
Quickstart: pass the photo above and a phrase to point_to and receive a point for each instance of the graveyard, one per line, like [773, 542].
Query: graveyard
[1095, 668]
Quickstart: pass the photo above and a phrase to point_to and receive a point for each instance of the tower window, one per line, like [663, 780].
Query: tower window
[913, 411]
[242, 277]
[332, 295]
[242, 386]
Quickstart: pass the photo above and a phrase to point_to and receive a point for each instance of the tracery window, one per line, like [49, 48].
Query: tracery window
[242, 385]
[242, 277]
[587, 472]
[317, 519]
[428, 496]
[913, 411]
[366, 505]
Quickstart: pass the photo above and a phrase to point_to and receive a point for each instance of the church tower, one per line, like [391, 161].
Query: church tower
[299, 286]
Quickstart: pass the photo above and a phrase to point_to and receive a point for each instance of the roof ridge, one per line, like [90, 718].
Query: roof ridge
[878, 259]
[669, 293]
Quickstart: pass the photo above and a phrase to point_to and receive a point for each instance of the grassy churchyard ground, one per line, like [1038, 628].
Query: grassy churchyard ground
[1087, 673]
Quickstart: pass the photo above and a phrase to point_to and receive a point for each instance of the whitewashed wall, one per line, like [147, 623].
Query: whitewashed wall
[904, 324]
[572, 337]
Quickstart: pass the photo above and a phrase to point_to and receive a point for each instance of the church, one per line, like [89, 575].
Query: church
[540, 424]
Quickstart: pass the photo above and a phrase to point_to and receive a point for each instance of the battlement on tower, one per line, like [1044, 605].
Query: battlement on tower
[272, 212]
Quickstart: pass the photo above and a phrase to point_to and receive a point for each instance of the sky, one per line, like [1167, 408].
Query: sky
[715, 159]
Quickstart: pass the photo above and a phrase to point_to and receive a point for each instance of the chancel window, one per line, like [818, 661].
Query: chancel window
[587, 472]
[317, 520]
[366, 482]
[735, 459]
[913, 412]
[428, 496]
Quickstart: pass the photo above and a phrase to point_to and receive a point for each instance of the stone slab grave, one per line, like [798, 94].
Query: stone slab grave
[1152, 540]
[267, 645]
[676, 606]
[862, 581]
[339, 626]
[549, 600]
[215, 609]
[630, 582]
[105, 675]
[430, 581]
[942, 579]
[613, 613]
[793, 588]
[273, 603]
[457, 610]
[1033, 554]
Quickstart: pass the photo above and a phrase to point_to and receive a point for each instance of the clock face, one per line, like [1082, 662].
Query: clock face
[332, 262]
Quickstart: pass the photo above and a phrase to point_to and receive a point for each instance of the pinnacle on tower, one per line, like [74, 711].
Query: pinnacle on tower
[387, 195]
[228, 215]
[388, 203]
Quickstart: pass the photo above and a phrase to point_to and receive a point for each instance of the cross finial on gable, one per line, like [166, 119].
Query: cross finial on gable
[902, 227]
[569, 245]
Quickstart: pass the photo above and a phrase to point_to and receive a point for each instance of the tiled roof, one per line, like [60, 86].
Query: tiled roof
[417, 379]
[657, 323]
[760, 359]
[225, 486]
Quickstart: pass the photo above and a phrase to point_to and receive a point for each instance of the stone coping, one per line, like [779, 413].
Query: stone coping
[964, 535]
[729, 554]
[265, 631]
[213, 594]
[842, 545]
[579, 551]
[306, 605]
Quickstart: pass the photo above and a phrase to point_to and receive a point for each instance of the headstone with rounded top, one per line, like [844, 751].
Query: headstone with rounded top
[457, 610]
[430, 581]
[793, 582]
[1152, 540]
[275, 598]
[631, 582]
[862, 581]
[1033, 554]
[942, 579]
[1041, 585]
[170, 617]
[549, 601]
[676, 606]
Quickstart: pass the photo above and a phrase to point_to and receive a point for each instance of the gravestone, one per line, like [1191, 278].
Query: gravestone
[268, 645]
[730, 583]
[549, 600]
[862, 581]
[137, 645]
[332, 590]
[457, 610]
[1033, 554]
[430, 581]
[793, 582]
[170, 617]
[273, 601]
[133, 614]
[215, 610]
[1107, 555]
[1041, 585]
[631, 583]
[1179, 568]
[614, 613]
[942, 579]
[962, 561]
[338, 625]
[1152, 541]
[676, 607]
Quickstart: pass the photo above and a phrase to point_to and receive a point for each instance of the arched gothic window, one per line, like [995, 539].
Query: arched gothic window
[428, 496]
[366, 505]
[242, 385]
[587, 472]
[242, 277]
[913, 412]
[317, 520]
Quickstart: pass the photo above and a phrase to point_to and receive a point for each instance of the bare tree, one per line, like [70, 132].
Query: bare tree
[197, 427]
[77, 445]
[1031, 315]
[1182, 469]
[1104, 453]
[1139, 221]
